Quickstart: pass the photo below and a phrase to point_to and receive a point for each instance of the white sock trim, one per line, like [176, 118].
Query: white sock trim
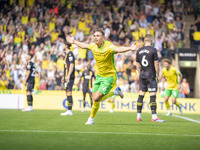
[154, 116]
[139, 115]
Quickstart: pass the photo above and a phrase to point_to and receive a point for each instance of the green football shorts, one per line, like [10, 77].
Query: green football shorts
[104, 84]
[173, 92]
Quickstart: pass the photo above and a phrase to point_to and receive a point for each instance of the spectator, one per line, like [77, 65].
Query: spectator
[3, 83]
[19, 84]
[51, 84]
[185, 87]
[41, 30]
[57, 81]
[43, 85]
[11, 84]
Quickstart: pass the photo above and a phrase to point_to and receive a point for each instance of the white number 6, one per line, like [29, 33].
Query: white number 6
[144, 61]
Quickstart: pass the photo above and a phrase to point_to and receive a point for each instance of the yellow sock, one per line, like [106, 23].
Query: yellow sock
[113, 105]
[167, 105]
[95, 108]
[178, 104]
[111, 93]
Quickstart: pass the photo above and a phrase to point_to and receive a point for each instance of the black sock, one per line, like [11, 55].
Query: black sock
[30, 100]
[70, 102]
[140, 103]
[153, 104]
[84, 103]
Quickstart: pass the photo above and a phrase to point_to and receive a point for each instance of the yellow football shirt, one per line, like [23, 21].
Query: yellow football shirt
[104, 57]
[3, 85]
[54, 35]
[17, 40]
[37, 84]
[31, 2]
[45, 64]
[22, 34]
[172, 77]
[24, 20]
[59, 64]
[82, 25]
[73, 30]
[82, 53]
[136, 35]
[170, 26]
[52, 26]
[143, 32]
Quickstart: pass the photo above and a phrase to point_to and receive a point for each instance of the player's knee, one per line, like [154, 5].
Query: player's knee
[95, 99]
[174, 101]
[166, 99]
[68, 93]
[28, 93]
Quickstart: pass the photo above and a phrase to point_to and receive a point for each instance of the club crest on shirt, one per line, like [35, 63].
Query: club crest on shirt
[71, 58]
[29, 66]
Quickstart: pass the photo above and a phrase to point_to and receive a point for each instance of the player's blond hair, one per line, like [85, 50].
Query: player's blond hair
[167, 61]
[100, 30]
[148, 38]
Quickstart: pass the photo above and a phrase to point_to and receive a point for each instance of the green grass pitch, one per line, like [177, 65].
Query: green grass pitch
[46, 129]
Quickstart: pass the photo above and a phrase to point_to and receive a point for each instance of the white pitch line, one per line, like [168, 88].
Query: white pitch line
[192, 120]
[82, 132]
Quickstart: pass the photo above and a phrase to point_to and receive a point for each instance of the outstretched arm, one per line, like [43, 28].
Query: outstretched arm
[79, 44]
[133, 47]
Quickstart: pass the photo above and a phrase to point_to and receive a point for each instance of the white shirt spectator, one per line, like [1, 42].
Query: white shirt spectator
[9, 57]
[147, 8]
[158, 44]
[15, 75]
[169, 16]
[20, 84]
[120, 3]
[107, 32]
[79, 35]
[23, 58]
[60, 20]
[39, 55]
[25, 48]
[155, 10]
[50, 74]
[60, 46]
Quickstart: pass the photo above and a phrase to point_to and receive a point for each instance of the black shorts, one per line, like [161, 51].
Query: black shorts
[30, 87]
[147, 85]
[69, 85]
[86, 90]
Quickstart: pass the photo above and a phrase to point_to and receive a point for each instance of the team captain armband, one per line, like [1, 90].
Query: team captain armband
[177, 72]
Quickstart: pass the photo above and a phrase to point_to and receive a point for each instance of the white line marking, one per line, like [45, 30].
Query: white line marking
[88, 132]
[192, 120]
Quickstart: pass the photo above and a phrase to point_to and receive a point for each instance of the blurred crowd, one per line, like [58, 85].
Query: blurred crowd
[40, 27]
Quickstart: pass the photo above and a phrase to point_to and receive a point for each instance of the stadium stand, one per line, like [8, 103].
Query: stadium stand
[40, 27]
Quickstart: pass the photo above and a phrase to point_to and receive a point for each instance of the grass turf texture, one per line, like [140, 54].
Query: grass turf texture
[111, 131]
